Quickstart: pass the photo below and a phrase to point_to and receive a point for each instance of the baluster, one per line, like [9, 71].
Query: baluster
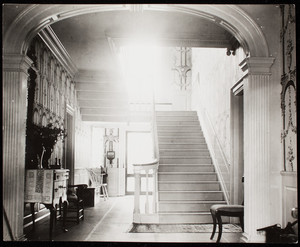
[137, 190]
[154, 190]
[147, 192]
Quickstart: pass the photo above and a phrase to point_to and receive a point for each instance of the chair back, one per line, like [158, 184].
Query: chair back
[95, 176]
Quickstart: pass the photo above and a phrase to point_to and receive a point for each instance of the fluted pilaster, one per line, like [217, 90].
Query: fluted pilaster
[14, 108]
[256, 146]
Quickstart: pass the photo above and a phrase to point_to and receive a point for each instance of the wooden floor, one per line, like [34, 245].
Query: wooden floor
[110, 221]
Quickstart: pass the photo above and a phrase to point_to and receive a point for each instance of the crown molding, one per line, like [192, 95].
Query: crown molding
[53, 43]
[115, 41]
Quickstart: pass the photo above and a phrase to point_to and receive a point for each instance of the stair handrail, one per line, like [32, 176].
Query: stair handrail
[227, 164]
[147, 167]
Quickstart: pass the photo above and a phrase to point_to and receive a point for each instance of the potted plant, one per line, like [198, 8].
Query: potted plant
[40, 143]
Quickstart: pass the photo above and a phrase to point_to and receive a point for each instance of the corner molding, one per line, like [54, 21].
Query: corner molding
[53, 43]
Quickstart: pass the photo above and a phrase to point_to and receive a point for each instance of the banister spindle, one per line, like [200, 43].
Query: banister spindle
[154, 190]
[137, 190]
[147, 192]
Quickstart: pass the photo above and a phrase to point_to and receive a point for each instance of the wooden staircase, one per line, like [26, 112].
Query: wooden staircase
[187, 182]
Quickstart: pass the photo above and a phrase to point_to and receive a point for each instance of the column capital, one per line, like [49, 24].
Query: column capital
[16, 63]
[257, 65]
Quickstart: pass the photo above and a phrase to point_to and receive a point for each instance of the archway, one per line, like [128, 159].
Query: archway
[34, 18]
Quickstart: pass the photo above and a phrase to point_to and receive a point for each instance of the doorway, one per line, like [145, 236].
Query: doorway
[69, 154]
[237, 148]
[139, 149]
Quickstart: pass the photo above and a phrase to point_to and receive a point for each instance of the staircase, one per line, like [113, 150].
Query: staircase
[187, 182]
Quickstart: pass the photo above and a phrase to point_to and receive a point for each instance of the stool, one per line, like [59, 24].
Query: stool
[219, 210]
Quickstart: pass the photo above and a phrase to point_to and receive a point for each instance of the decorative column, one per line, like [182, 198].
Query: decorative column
[14, 108]
[256, 146]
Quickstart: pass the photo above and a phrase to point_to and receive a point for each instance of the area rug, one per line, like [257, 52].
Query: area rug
[181, 228]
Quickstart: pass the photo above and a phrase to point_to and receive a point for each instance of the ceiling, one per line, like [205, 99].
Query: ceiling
[92, 39]
[85, 36]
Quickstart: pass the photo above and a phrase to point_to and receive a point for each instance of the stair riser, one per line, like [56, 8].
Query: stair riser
[182, 146]
[187, 177]
[194, 134]
[188, 219]
[178, 123]
[186, 168]
[184, 153]
[185, 156]
[164, 127]
[167, 195]
[188, 187]
[176, 118]
[185, 207]
[176, 113]
[185, 161]
[181, 140]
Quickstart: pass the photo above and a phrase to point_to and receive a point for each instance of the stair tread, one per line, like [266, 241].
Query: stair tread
[187, 173]
[184, 157]
[185, 191]
[175, 164]
[182, 143]
[188, 182]
[191, 201]
[184, 213]
[181, 136]
[178, 149]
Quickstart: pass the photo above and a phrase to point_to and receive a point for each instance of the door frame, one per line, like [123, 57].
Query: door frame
[237, 143]
[70, 140]
[126, 162]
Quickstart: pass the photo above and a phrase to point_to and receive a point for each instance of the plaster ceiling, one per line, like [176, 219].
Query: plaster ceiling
[85, 36]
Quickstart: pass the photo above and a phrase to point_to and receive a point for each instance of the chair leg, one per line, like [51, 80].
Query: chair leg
[78, 215]
[220, 227]
[242, 221]
[214, 226]
[106, 193]
[82, 211]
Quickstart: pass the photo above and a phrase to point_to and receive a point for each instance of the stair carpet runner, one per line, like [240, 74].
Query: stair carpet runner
[187, 182]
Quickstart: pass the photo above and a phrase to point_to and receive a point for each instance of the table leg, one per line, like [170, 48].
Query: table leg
[52, 215]
[32, 215]
[65, 212]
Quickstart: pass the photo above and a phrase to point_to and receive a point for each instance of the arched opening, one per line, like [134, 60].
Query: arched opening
[28, 24]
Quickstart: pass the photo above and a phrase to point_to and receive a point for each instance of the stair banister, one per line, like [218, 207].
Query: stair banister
[215, 147]
[147, 167]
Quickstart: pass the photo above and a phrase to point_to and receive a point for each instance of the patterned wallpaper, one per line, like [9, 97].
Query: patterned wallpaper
[53, 90]
[288, 93]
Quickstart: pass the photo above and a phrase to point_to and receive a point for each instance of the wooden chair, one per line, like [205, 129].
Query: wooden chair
[75, 209]
[219, 210]
[96, 178]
